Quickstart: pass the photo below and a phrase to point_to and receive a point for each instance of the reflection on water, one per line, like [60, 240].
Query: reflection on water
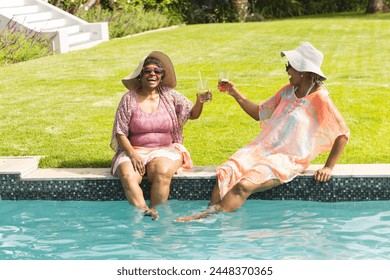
[259, 230]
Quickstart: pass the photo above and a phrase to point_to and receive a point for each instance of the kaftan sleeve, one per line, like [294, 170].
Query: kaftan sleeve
[330, 123]
[267, 108]
[122, 120]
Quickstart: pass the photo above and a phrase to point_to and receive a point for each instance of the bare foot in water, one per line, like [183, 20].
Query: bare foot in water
[151, 213]
[201, 215]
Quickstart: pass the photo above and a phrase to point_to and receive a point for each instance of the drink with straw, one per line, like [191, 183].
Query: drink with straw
[203, 90]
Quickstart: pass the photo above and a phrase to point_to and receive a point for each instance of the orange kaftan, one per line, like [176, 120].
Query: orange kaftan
[294, 131]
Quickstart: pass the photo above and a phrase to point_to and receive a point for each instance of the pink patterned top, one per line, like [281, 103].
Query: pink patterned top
[151, 130]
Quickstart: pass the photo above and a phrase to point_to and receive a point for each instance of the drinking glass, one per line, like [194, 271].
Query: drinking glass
[204, 91]
[223, 79]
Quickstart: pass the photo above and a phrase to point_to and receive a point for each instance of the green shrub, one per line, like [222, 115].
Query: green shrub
[188, 11]
[17, 45]
[164, 7]
[204, 11]
[289, 8]
[123, 23]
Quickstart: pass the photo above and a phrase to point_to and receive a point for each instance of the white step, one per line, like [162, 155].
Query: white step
[79, 38]
[71, 29]
[13, 11]
[11, 3]
[28, 18]
[47, 24]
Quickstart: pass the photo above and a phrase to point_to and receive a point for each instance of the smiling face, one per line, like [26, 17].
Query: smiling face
[295, 76]
[151, 75]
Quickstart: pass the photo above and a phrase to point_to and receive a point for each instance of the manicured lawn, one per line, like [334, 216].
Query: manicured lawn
[62, 107]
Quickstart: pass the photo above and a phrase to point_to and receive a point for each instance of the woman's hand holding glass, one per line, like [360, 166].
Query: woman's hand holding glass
[224, 84]
[223, 80]
[227, 86]
[204, 93]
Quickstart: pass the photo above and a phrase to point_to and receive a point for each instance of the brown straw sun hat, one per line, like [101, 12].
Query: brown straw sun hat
[169, 80]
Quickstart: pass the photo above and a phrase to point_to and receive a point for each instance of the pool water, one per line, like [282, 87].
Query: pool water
[272, 230]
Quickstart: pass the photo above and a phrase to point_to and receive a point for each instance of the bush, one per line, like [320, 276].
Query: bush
[333, 6]
[188, 11]
[289, 8]
[17, 45]
[122, 23]
[214, 11]
[164, 7]
[204, 11]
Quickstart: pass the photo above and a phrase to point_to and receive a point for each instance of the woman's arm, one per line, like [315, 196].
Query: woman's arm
[197, 108]
[251, 108]
[325, 173]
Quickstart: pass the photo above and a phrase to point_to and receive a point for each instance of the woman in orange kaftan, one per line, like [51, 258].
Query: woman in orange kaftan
[298, 123]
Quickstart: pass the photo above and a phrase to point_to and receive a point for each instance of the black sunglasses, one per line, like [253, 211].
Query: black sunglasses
[288, 66]
[156, 70]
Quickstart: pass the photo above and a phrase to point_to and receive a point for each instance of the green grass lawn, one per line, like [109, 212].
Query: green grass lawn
[62, 107]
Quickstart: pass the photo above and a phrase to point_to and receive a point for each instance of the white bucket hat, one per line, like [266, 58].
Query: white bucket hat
[305, 58]
[169, 78]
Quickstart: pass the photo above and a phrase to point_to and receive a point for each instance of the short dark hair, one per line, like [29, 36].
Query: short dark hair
[153, 60]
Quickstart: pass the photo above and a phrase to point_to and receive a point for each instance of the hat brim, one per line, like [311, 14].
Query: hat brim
[169, 80]
[301, 64]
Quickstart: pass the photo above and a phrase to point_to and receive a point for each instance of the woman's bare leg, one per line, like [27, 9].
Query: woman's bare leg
[236, 197]
[160, 171]
[131, 185]
[233, 200]
[215, 197]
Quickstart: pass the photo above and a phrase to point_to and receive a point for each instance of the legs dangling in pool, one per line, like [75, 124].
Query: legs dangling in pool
[233, 200]
[159, 171]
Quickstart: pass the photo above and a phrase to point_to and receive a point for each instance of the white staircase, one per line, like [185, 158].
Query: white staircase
[68, 33]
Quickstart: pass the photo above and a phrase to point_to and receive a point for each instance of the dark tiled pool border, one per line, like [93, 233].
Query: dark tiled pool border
[339, 188]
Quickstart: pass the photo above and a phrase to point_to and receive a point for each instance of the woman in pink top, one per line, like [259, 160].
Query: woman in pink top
[147, 132]
[298, 123]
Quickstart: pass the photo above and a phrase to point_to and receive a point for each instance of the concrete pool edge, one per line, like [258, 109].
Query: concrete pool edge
[21, 179]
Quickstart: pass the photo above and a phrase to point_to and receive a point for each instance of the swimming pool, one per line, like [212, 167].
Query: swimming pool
[261, 229]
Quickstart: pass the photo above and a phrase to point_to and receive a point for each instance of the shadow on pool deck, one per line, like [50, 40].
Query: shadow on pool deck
[20, 178]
